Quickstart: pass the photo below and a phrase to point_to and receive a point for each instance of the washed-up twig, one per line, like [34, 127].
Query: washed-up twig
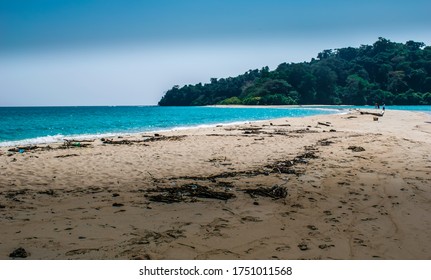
[69, 155]
[371, 113]
[325, 124]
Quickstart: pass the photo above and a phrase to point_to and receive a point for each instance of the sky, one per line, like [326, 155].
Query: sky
[130, 52]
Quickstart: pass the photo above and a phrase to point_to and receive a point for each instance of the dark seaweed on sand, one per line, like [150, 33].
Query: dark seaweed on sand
[185, 192]
[275, 192]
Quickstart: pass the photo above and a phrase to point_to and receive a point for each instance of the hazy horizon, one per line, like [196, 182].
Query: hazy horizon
[95, 53]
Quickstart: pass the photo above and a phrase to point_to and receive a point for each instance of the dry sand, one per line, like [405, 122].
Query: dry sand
[356, 189]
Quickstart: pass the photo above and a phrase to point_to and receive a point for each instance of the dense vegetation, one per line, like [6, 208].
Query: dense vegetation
[385, 72]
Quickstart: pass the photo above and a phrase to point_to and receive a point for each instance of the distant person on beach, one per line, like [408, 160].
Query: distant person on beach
[383, 107]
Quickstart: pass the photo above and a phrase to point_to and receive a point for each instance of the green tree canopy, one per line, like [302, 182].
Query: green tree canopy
[384, 72]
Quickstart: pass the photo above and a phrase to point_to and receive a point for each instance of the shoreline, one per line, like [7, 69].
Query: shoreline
[59, 138]
[317, 187]
[34, 141]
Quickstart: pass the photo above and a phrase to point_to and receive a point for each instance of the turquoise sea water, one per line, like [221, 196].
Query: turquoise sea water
[32, 125]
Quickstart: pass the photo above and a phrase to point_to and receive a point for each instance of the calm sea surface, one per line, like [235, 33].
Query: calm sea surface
[32, 125]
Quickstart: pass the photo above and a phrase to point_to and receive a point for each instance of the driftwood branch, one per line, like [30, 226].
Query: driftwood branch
[371, 113]
[325, 124]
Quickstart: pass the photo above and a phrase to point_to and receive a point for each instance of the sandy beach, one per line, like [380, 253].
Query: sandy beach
[321, 187]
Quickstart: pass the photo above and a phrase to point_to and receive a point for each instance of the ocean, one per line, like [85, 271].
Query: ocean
[36, 125]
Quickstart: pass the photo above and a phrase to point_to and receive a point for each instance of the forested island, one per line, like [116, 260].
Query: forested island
[385, 72]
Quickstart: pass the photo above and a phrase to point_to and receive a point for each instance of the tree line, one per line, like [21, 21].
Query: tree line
[384, 72]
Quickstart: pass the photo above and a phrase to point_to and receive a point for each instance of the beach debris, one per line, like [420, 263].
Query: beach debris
[372, 113]
[2, 206]
[82, 140]
[74, 144]
[213, 178]
[68, 155]
[115, 204]
[252, 130]
[275, 192]
[306, 130]
[47, 192]
[185, 193]
[28, 148]
[285, 167]
[119, 142]
[226, 185]
[19, 253]
[12, 194]
[325, 246]
[324, 123]
[325, 142]
[375, 119]
[165, 138]
[23, 149]
[150, 139]
[303, 158]
[66, 145]
[356, 148]
[218, 159]
[165, 198]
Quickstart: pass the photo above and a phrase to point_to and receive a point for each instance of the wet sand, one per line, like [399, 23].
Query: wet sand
[347, 188]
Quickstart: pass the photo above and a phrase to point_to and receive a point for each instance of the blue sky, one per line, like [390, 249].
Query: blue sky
[105, 52]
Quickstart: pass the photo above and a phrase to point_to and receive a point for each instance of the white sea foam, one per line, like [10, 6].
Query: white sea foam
[206, 125]
[59, 138]
[32, 141]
